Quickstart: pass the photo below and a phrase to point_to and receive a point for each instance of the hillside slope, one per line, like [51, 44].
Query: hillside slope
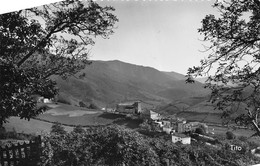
[109, 82]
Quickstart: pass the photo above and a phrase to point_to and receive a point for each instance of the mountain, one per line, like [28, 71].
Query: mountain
[176, 76]
[106, 83]
[201, 79]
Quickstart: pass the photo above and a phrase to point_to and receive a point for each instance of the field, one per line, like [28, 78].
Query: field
[32, 126]
[69, 116]
[201, 117]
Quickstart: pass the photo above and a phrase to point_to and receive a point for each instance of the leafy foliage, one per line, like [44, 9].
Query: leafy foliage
[17, 87]
[230, 135]
[93, 106]
[234, 53]
[40, 42]
[57, 128]
[99, 146]
[79, 129]
[114, 145]
[200, 130]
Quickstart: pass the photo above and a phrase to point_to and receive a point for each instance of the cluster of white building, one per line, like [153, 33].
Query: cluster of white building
[174, 127]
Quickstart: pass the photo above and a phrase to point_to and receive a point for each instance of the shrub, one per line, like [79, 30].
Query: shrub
[115, 145]
[200, 130]
[93, 106]
[111, 145]
[82, 104]
[230, 135]
[78, 129]
[57, 128]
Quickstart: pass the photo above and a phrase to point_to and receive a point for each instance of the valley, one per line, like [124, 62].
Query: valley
[84, 98]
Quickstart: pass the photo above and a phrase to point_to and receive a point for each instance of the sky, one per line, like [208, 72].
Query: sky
[162, 34]
[159, 34]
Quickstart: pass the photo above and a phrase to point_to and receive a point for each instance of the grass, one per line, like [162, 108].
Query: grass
[201, 117]
[32, 126]
[101, 118]
[64, 114]
[72, 115]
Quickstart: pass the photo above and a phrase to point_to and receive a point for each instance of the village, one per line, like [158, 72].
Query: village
[179, 129]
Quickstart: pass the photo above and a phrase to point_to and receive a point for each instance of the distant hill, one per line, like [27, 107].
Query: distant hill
[176, 76]
[106, 83]
[201, 79]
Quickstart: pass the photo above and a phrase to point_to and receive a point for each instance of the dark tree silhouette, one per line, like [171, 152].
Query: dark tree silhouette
[234, 53]
[44, 41]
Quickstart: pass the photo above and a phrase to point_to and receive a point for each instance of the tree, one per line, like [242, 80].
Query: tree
[233, 58]
[57, 128]
[110, 145]
[45, 41]
[78, 129]
[230, 135]
[200, 130]
[92, 106]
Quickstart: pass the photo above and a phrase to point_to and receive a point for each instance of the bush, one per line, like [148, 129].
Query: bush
[78, 129]
[111, 145]
[82, 104]
[200, 130]
[115, 145]
[57, 128]
[92, 106]
[230, 135]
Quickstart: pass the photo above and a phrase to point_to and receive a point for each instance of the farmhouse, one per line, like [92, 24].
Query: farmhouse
[176, 137]
[168, 130]
[41, 99]
[182, 127]
[166, 123]
[129, 107]
[149, 114]
[45, 100]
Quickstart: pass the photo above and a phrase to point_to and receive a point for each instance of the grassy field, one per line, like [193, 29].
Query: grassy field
[84, 120]
[32, 126]
[201, 117]
[69, 116]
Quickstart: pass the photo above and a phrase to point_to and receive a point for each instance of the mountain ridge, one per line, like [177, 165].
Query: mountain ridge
[110, 82]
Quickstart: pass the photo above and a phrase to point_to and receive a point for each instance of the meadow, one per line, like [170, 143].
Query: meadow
[71, 116]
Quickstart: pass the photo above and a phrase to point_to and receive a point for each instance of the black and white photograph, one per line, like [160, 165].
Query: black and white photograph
[130, 83]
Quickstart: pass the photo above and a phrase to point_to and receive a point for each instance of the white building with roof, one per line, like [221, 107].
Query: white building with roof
[176, 137]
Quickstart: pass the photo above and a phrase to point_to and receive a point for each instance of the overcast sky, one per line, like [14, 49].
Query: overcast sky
[160, 34]
[157, 33]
